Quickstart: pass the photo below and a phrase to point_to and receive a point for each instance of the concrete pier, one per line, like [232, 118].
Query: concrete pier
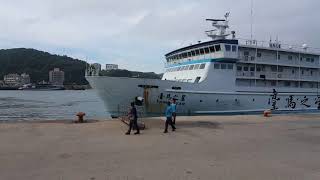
[281, 147]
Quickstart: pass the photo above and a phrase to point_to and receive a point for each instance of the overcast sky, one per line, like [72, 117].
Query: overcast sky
[137, 33]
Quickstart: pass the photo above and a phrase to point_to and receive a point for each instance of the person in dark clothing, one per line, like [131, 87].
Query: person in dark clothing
[133, 120]
[169, 118]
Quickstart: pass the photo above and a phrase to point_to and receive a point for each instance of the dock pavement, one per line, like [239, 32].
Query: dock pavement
[281, 147]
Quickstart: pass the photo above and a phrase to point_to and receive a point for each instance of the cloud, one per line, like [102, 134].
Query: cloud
[136, 34]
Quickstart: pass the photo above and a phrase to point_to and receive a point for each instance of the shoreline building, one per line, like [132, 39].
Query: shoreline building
[16, 79]
[112, 67]
[25, 79]
[56, 77]
[12, 79]
[97, 66]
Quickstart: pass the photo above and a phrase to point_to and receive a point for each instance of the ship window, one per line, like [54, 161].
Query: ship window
[245, 68]
[259, 54]
[217, 66]
[197, 52]
[202, 66]
[302, 72]
[207, 51]
[273, 83]
[230, 66]
[228, 47]
[292, 71]
[246, 53]
[296, 84]
[258, 69]
[312, 60]
[193, 53]
[280, 69]
[251, 69]
[223, 66]
[196, 66]
[279, 57]
[217, 47]
[212, 49]
[301, 58]
[239, 68]
[311, 85]
[189, 54]
[311, 73]
[201, 51]
[287, 83]
[308, 59]
[186, 68]
[274, 68]
[234, 48]
[191, 67]
[290, 57]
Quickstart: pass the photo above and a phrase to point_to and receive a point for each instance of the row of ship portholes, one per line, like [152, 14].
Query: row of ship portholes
[236, 100]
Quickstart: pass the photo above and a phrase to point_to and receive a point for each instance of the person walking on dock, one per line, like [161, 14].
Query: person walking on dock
[174, 109]
[133, 119]
[169, 118]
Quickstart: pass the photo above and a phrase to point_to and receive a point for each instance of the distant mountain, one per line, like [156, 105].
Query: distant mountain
[38, 64]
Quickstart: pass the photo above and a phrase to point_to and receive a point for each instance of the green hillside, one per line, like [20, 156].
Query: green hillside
[39, 63]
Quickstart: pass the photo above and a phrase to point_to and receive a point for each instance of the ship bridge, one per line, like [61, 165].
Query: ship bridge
[192, 63]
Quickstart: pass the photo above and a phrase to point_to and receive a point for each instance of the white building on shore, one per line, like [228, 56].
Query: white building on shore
[56, 77]
[112, 67]
[16, 79]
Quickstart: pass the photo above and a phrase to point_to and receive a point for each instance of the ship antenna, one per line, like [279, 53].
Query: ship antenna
[251, 24]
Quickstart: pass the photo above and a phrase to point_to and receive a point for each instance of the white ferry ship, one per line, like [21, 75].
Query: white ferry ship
[224, 75]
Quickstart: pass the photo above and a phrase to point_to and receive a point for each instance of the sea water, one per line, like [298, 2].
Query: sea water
[27, 105]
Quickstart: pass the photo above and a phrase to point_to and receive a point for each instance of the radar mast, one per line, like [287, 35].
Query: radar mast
[221, 26]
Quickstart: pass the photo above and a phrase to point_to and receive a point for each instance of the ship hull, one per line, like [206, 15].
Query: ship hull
[117, 93]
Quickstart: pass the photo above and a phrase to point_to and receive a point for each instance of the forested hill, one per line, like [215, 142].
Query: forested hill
[38, 64]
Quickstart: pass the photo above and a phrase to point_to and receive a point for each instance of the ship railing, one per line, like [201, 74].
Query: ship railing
[279, 45]
[278, 76]
[272, 60]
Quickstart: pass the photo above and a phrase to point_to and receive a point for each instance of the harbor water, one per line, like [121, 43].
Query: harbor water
[50, 105]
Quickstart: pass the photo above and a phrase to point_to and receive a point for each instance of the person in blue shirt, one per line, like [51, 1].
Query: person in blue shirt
[174, 109]
[169, 118]
[133, 119]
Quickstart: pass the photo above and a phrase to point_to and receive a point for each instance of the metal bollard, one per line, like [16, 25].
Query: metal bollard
[267, 113]
[80, 117]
